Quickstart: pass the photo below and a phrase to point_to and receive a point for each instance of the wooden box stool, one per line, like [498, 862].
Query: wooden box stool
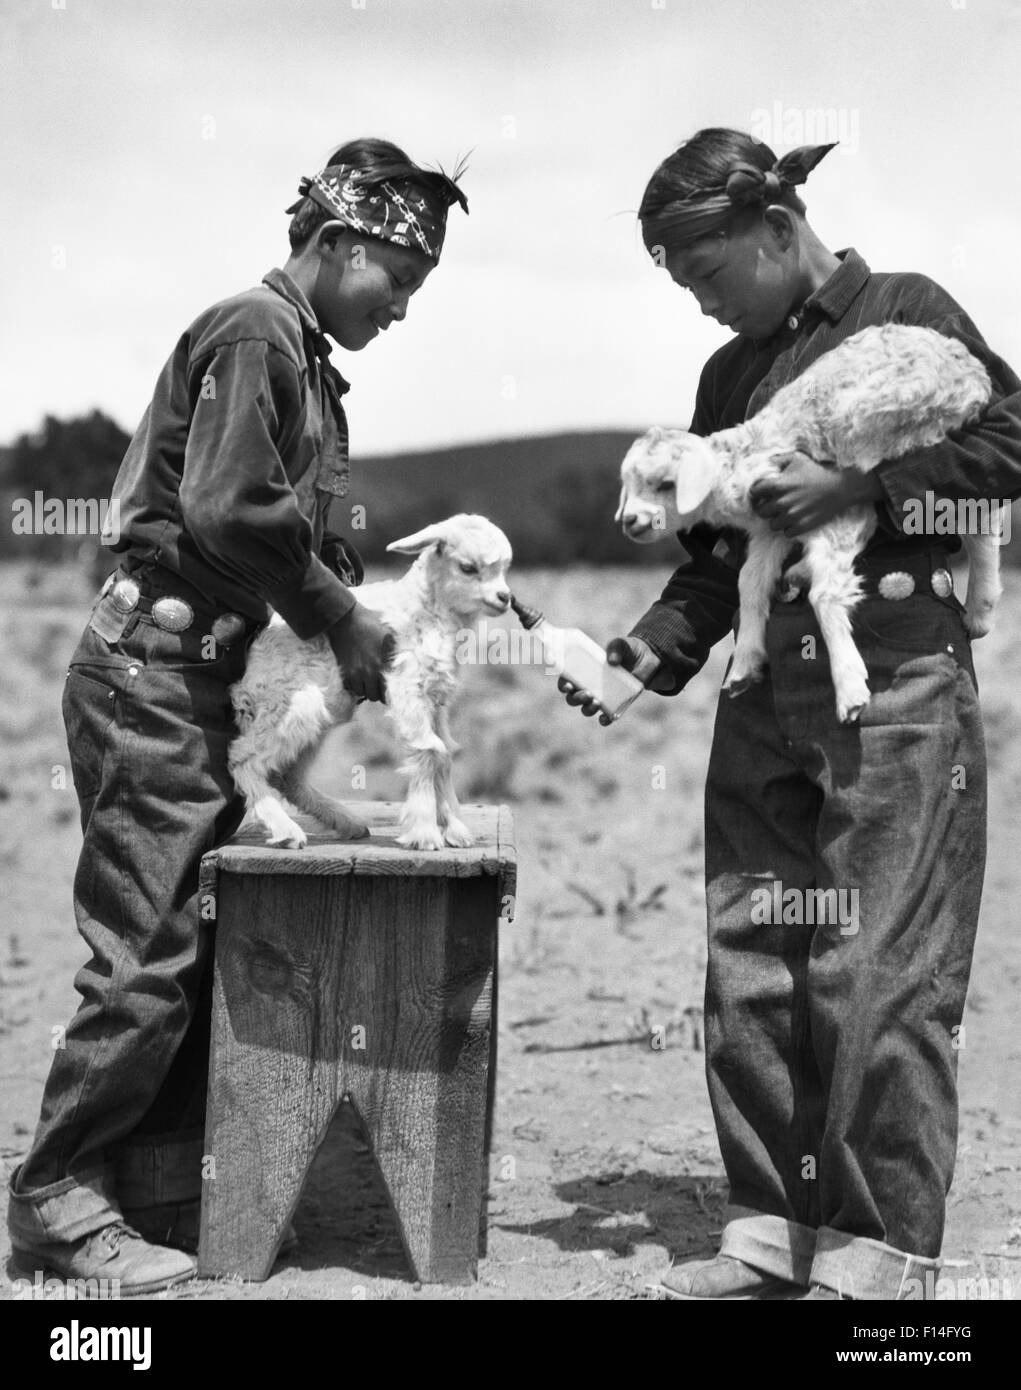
[365, 972]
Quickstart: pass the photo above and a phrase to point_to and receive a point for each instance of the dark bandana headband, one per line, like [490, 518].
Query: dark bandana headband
[407, 212]
[702, 213]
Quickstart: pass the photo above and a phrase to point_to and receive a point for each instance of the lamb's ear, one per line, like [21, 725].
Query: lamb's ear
[694, 474]
[620, 505]
[421, 540]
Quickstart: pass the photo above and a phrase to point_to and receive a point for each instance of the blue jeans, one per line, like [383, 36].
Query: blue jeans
[148, 722]
[832, 1036]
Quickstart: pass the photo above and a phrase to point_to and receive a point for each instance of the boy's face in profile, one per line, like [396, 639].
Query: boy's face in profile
[363, 285]
[745, 279]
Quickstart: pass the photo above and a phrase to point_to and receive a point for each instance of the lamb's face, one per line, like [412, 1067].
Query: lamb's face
[665, 477]
[466, 558]
[471, 572]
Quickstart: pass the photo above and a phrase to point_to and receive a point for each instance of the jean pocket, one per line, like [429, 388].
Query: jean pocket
[914, 625]
[89, 705]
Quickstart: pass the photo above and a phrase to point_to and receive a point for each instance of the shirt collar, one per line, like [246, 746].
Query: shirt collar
[835, 296]
[282, 283]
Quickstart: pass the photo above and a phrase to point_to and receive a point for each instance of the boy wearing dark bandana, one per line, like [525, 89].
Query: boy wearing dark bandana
[224, 495]
[831, 1049]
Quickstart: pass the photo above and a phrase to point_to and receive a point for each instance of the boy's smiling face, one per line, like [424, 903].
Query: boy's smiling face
[362, 284]
[746, 279]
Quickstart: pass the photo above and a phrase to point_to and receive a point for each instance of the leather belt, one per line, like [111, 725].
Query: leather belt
[925, 573]
[172, 611]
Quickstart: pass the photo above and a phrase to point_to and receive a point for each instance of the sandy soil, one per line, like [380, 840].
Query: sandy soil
[614, 1159]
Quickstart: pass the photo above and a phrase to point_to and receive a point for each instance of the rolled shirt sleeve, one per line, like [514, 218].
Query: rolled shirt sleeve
[237, 502]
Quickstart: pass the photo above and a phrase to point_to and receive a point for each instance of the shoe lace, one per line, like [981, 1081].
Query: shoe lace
[116, 1233]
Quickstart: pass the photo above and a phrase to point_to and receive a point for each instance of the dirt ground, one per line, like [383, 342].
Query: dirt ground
[605, 1165]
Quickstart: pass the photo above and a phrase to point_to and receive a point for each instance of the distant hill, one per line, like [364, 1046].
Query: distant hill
[554, 495]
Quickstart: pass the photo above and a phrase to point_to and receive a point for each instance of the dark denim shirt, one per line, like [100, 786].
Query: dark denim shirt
[983, 459]
[229, 477]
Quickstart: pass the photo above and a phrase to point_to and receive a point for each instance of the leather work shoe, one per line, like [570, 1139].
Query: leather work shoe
[722, 1277]
[116, 1252]
[176, 1224]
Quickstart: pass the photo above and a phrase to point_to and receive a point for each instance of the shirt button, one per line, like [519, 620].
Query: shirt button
[132, 670]
[111, 694]
[950, 646]
[793, 321]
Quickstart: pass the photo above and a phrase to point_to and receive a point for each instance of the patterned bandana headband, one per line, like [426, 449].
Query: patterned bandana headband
[702, 213]
[409, 212]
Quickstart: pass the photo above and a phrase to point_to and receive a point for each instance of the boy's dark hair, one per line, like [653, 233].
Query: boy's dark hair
[700, 168]
[378, 162]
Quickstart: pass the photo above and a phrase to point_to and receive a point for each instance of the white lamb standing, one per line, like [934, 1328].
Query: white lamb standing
[292, 692]
[878, 395]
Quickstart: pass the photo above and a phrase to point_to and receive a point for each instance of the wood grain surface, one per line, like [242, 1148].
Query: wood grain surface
[351, 972]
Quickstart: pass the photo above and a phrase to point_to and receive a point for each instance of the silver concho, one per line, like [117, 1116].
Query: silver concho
[896, 585]
[228, 628]
[172, 614]
[942, 583]
[125, 595]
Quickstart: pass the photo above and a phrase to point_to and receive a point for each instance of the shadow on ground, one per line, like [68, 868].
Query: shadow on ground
[619, 1213]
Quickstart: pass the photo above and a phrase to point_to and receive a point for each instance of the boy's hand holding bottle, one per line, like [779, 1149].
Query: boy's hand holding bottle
[600, 683]
[631, 654]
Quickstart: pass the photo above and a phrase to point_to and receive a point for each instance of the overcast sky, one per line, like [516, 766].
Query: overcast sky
[149, 148]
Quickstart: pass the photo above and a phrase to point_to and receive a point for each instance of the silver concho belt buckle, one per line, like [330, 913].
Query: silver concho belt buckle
[942, 583]
[172, 614]
[124, 595]
[898, 584]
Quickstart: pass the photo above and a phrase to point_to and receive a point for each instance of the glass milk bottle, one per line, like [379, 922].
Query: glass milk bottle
[573, 654]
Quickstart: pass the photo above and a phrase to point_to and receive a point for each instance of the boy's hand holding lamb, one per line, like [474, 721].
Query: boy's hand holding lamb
[809, 494]
[364, 648]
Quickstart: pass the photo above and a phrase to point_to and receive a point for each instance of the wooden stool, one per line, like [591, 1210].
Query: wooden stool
[362, 972]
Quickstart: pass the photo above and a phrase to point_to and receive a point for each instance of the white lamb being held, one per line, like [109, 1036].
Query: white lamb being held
[880, 394]
[292, 692]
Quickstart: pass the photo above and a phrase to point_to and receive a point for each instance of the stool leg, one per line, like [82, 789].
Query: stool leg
[425, 1107]
[275, 1078]
[261, 1163]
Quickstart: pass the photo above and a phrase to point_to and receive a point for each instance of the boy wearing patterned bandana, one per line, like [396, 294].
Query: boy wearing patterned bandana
[224, 495]
[830, 1050]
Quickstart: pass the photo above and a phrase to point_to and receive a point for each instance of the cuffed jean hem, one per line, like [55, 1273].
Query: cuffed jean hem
[865, 1269]
[772, 1244]
[159, 1170]
[63, 1211]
